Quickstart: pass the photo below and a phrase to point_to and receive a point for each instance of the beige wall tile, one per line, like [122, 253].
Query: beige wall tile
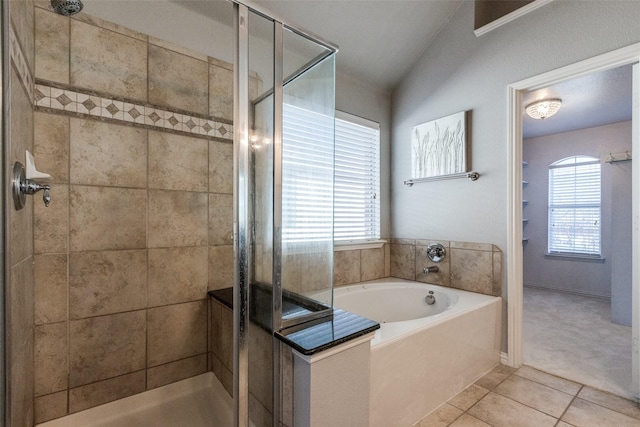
[177, 275]
[260, 380]
[51, 358]
[106, 61]
[106, 346]
[471, 270]
[220, 267]
[106, 391]
[220, 92]
[177, 48]
[107, 154]
[398, 241]
[177, 219]
[220, 167]
[472, 246]
[177, 162]
[108, 25]
[177, 80]
[222, 334]
[497, 274]
[51, 46]
[51, 224]
[176, 371]
[21, 15]
[51, 145]
[21, 321]
[105, 282]
[21, 374]
[103, 218]
[442, 277]
[21, 222]
[176, 332]
[50, 276]
[21, 119]
[371, 264]
[220, 219]
[50, 406]
[387, 260]
[403, 261]
[346, 267]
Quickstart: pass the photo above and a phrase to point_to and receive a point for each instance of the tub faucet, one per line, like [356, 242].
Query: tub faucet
[430, 299]
[428, 270]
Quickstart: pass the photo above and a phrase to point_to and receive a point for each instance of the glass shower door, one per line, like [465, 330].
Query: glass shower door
[283, 204]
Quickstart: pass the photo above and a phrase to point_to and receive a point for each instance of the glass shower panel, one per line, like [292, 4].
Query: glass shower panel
[261, 60]
[308, 113]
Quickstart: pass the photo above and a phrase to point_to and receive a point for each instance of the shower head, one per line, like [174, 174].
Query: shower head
[66, 7]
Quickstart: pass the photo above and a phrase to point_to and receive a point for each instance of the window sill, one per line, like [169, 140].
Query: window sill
[575, 257]
[352, 246]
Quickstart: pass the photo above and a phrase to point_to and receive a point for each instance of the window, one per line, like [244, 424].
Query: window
[574, 206]
[357, 180]
[308, 163]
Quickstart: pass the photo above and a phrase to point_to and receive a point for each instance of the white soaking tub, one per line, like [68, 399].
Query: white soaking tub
[423, 355]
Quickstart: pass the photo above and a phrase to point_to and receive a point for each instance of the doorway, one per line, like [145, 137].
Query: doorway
[628, 55]
[577, 231]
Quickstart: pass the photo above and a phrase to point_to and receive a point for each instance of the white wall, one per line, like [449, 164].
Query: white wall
[575, 275]
[461, 72]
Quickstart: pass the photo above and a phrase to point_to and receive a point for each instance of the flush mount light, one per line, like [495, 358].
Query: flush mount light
[542, 109]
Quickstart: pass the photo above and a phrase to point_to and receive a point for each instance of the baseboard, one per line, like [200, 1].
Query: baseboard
[565, 291]
[504, 358]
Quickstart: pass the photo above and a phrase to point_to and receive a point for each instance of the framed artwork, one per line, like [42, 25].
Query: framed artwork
[439, 147]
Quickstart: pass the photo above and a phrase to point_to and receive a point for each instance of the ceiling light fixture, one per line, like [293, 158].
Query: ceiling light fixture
[542, 109]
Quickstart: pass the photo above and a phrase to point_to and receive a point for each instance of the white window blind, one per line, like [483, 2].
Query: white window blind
[574, 206]
[357, 179]
[307, 175]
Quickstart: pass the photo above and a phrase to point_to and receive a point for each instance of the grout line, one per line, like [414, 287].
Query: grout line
[569, 405]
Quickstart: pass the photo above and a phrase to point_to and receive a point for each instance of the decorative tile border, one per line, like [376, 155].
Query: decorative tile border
[99, 106]
[17, 56]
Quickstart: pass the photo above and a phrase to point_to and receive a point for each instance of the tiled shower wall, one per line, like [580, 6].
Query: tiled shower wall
[19, 256]
[140, 223]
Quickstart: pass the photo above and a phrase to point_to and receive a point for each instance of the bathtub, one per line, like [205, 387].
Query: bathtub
[423, 355]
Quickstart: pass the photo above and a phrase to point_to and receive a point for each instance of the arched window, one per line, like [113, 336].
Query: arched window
[574, 206]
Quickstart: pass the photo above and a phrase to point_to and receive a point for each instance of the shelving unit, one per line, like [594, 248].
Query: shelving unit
[524, 204]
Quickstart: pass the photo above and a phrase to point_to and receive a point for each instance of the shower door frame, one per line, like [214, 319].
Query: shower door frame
[242, 212]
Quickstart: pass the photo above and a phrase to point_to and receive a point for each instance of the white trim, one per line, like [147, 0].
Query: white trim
[504, 358]
[626, 55]
[348, 117]
[351, 246]
[510, 17]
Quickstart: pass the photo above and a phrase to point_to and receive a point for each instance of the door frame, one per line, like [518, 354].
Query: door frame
[627, 55]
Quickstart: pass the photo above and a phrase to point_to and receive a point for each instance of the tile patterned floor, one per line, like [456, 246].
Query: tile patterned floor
[526, 397]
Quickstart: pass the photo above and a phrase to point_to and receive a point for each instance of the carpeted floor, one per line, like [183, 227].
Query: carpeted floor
[572, 336]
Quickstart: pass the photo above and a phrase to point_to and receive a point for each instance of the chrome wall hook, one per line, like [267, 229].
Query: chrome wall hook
[21, 186]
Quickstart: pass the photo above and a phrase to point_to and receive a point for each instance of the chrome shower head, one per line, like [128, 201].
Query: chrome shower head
[66, 7]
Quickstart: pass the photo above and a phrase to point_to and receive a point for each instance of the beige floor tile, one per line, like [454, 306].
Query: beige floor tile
[495, 377]
[467, 420]
[563, 424]
[468, 397]
[499, 411]
[537, 396]
[549, 380]
[610, 401]
[586, 414]
[441, 417]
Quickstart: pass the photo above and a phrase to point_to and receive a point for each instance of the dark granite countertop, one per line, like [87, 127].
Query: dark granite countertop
[308, 338]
